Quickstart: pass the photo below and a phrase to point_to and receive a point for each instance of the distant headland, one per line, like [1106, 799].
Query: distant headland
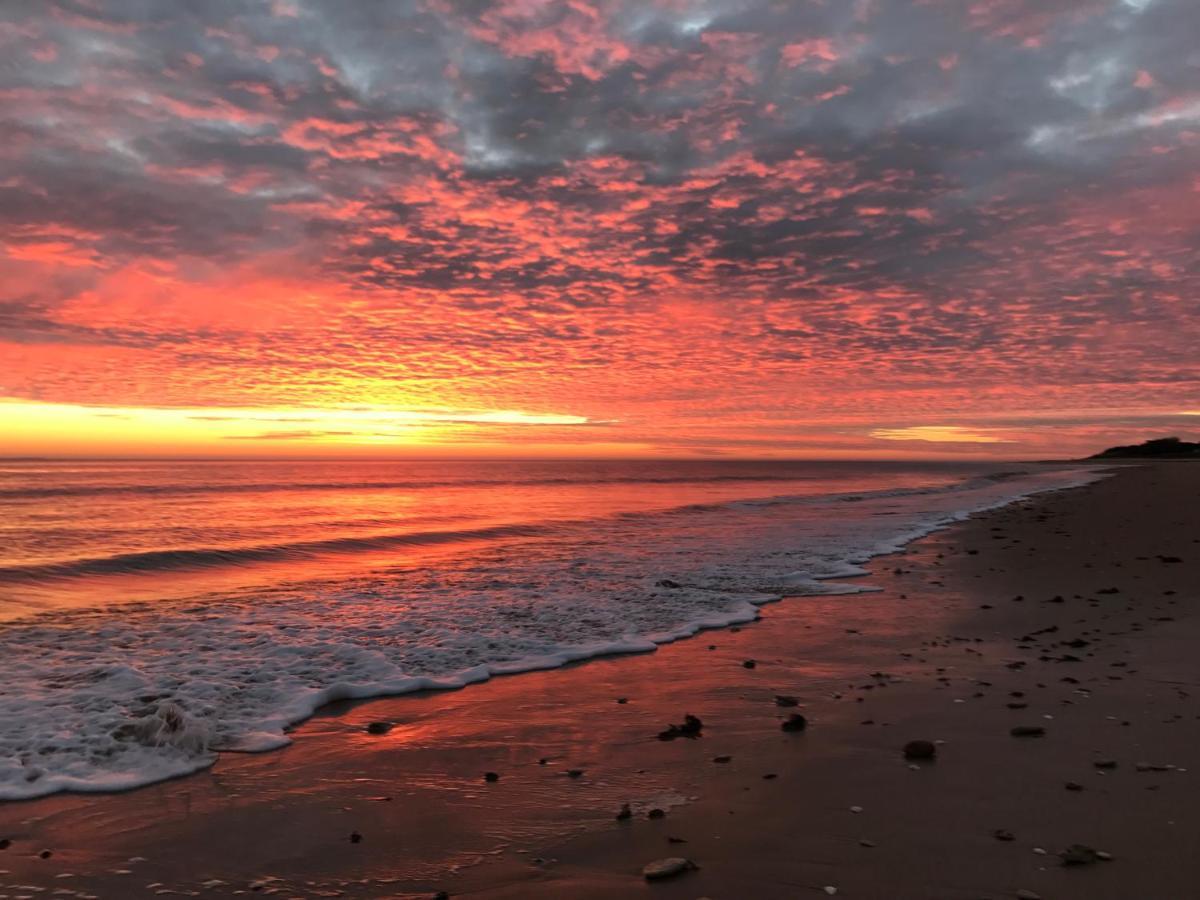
[1158, 448]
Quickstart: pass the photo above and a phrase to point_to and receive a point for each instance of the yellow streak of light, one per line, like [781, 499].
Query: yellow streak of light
[946, 434]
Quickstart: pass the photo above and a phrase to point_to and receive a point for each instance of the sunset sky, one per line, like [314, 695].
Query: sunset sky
[963, 228]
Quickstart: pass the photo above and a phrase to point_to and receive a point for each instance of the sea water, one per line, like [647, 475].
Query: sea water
[155, 613]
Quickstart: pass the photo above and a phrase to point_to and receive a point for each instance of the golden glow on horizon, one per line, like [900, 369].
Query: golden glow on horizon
[942, 434]
[36, 427]
[30, 428]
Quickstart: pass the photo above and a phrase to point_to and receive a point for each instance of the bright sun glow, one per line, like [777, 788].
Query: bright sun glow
[92, 428]
[944, 434]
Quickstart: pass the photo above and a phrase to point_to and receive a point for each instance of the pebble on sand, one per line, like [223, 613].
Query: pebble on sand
[1027, 731]
[491, 777]
[1078, 855]
[667, 868]
[690, 728]
[795, 722]
[378, 727]
[920, 750]
[626, 812]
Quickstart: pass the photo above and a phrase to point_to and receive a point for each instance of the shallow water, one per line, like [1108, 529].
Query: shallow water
[153, 613]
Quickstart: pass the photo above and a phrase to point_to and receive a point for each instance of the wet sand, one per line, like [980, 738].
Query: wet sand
[1102, 651]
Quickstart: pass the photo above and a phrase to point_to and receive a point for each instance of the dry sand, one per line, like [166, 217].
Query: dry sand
[937, 655]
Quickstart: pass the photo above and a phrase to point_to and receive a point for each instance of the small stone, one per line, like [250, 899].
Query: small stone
[749, 664]
[5, 843]
[920, 750]
[865, 843]
[786, 700]
[656, 813]
[722, 759]
[1073, 786]
[355, 837]
[667, 868]
[625, 813]
[795, 722]
[379, 727]
[1027, 731]
[1078, 855]
[491, 777]
[442, 895]
[1023, 894]
[1003, 834]
[856, 809]
[574, 773]
[690, 728]
[1150, 767]
[830, 889]
[622, 700]
[45, 854]
[1104, 855]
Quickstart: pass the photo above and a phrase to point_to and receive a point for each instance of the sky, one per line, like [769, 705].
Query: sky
[718, 228]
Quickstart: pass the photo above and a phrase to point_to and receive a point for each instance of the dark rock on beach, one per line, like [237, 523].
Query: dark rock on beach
[1027, 731]
[1078, 855]
[920, 750]
[795, 722]
[667, 868]
[690, 728]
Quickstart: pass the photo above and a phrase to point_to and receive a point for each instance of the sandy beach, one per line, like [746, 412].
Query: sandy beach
[1070, 614]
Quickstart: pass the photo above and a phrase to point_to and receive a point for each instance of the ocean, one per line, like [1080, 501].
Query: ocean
[155, 613]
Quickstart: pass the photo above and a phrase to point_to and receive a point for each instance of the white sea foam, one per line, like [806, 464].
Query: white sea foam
[110, 699]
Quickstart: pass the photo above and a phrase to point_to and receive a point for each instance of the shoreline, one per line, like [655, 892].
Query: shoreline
[278, 726]
[445, 829]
